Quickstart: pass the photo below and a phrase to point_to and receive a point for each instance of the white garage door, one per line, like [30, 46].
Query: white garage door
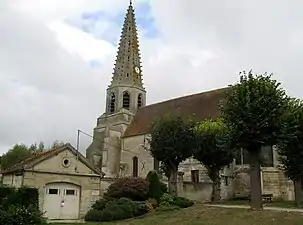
[62, 201]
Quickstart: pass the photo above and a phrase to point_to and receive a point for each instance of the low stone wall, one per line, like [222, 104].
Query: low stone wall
[197, 191]
[273, 181]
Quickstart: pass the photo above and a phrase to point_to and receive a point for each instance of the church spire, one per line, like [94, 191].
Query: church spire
[127, 69]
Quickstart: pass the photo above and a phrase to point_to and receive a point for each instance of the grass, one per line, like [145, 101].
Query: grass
[275, 203]
[205, 215]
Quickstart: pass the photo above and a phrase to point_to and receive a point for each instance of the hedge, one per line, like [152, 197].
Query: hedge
[24, 196]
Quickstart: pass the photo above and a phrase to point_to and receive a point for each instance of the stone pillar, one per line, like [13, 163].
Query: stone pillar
[180, 184]
[275, 156]
[262, 182]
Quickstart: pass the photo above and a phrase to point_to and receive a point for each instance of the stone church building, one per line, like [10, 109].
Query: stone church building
[119, 143]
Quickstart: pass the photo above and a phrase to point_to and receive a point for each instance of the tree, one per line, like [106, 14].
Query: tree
[171, 142]
[57, 144]
[213, 151]
[16, 154]
[290, 147]
[254, 110]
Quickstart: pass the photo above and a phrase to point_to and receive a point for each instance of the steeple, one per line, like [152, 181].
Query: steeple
[127, 69]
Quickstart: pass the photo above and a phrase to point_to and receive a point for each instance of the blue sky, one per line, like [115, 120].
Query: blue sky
[90, 22]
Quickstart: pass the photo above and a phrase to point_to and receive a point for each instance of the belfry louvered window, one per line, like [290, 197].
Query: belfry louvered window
[139, 100]
[126, 100]
[112, 105]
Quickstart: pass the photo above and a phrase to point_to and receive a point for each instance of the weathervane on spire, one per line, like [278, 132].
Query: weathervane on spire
[130, 2]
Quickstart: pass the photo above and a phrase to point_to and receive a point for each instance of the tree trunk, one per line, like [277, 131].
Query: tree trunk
[298, 192]
[255, 179]
[172, 184]
[216, 193]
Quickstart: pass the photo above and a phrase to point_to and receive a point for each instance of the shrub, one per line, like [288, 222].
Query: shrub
[166, 200]
[23, 196]
[122, 208]
[134, 188]
[153, 202]
[100, 204]
[17, 215]
[155, 186]
[182, 202]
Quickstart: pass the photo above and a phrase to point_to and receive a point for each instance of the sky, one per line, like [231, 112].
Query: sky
[57, 57]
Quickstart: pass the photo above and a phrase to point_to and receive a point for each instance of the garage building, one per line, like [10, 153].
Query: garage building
[68, 184]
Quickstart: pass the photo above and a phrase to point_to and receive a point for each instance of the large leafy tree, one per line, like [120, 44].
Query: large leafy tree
[213, 151]
[254, 110]
[16, 154]
[290, 147]
[20, 152]
[172, 141]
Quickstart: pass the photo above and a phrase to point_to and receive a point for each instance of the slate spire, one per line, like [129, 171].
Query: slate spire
[127, 69]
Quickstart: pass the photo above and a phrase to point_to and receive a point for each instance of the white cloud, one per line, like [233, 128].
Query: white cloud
[48, 90]
[78, 42]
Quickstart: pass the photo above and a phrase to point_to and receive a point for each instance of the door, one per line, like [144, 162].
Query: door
[62, 201]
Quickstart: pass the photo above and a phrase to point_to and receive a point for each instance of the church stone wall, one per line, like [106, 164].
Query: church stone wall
[135, 146]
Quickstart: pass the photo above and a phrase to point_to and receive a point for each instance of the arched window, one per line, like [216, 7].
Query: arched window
[126, 100]
[139, 100]
[135, 166]
[112, 104]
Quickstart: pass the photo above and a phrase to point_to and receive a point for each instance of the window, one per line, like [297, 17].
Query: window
[66, 162]
[267, 159]
[126, 100]
[226, 180]
[195, 176]
[156, 164]
[127, 75]
[70, 192]
[53, 191]
[112, 103]
[238, 157]
[139, 100]
[242, 157]
[245, 156]
[135, 166]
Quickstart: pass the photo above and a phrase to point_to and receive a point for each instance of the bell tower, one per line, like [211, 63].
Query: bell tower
[125, 94]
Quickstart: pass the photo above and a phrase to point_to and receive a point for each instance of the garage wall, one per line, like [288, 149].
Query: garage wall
[90, 186]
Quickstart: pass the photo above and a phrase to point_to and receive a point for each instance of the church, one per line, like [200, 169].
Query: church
[119, 137]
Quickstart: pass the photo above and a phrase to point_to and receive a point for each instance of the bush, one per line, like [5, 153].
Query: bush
[23, 196]
[153, 202]
[17, 215]
[117, 210]
[182, 202]
[134, 188]
[166, 200]
[100, 204]
[155, 187]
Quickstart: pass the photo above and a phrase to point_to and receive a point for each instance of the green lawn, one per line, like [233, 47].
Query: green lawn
[204, 215]
[275, 203]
